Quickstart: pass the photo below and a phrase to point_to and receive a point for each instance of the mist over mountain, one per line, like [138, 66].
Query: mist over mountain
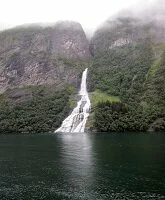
[148, 16]
[128, 64]
[34, 55]
[41, 66]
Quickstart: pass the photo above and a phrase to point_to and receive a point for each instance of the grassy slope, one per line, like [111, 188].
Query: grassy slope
[98, 96]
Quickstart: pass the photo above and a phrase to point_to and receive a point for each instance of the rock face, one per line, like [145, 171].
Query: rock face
[123, 31]
[129, 62]
[121, 42]
[36, 55]
[70, 40]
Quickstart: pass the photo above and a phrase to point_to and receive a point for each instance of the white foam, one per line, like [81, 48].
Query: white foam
[76, 121]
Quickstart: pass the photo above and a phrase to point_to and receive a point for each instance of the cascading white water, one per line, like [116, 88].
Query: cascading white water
[76, 121]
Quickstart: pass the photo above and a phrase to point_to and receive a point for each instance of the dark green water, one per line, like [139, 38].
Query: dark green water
[82, 166]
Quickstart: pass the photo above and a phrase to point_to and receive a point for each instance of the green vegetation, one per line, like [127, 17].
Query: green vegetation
[40, 114]
[155, 90]
[126, 80]
[154, 67]
[121, 71]
[28, 53]
[90, 125]
[116, 116]
[72, 101]
[131, 73]
[98, 96]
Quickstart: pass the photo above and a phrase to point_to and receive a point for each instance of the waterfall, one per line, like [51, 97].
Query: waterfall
[76, 121]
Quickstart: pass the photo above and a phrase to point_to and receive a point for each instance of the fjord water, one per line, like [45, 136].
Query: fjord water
[76, 121]
[82, 166]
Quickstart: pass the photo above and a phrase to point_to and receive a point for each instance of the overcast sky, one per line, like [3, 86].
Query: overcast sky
[90, 13]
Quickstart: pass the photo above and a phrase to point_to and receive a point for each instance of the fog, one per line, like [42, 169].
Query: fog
[149, 11]
[91, 14]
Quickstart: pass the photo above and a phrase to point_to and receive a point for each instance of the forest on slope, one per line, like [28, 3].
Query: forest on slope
[41, 68]
[129, 62]
[40, 74]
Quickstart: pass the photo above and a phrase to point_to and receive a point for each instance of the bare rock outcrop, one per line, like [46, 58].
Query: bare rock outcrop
[35, 55]
[69, 40]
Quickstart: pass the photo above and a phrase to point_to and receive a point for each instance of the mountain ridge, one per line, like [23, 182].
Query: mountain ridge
[29, 56]
[43, 66]
[129, 63]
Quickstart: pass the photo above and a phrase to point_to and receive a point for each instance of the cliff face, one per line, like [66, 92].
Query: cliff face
[40, 71]
[129, 55]
[69, 40]
[41, 67]
[36, 55]
[123, 31]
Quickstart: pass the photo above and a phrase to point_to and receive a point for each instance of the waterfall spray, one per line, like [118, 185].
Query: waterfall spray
[76, 121]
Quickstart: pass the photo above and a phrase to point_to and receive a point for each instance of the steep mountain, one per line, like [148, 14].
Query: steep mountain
[69, 41]
[40, 67]
[129, 55]
[36, 55]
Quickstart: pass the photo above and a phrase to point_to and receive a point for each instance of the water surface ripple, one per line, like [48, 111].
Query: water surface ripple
[82, 166]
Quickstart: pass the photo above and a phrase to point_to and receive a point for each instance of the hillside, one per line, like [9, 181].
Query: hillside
[32, 56]
[41, 67]
[40, 71]
[129, 63]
